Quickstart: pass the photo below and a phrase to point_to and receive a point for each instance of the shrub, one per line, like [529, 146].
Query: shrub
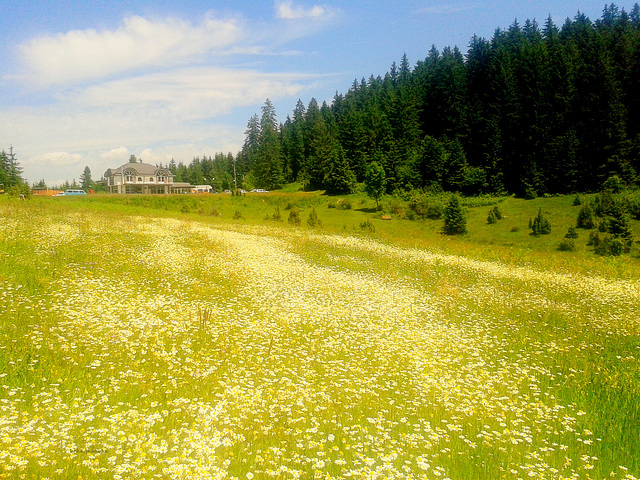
[455, 222]
[566, 245]
[594, 239]
[540, 225]
[603, 225]
[607, 203]
[276, 215]
[609, 246]
[577, 201]
[530, 193]
[497, 212]
[634, 208]
[613, 184]
[515, 229]
[185, 208]
[586, 217]
[491, 218]
[571, 233]
[294, 216]
[425, 206]
[313, 219]
[367, 225]
[237, 215]
[619, 225]
[397, 208]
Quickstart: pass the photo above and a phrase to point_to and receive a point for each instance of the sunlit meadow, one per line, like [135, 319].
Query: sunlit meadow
[158, 347]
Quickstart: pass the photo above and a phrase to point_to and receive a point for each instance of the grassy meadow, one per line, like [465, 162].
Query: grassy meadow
[201, 337]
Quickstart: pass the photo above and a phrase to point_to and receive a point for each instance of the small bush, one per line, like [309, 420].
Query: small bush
[276, 217]
[609, 246]
[586, 217]
[540, 225]
[426, 207]
[237, 215]
[594, 239]
[571, 233]
[491, 218]
[613, 184]
[530, 193]
[455, 221]
[497, 212]
[367, 225]
[634, 208]
[577, 201]
[313, 220]
[566, 245]
[214, 212]
[185, 208]
[294, 217]
[603, 225]
[515, 229]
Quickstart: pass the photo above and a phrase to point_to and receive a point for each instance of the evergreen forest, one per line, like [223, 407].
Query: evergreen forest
[536, 109]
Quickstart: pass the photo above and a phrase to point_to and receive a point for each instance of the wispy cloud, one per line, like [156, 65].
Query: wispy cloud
[446, 8]
[81, 55]
[56, 159]
[288, 11]
[116, 154]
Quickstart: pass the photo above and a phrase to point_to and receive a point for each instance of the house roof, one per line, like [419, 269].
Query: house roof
[138, 168]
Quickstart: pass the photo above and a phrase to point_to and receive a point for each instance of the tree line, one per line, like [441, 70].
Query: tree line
[533, 110]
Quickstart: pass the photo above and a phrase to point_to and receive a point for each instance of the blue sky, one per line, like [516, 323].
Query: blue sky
[88, 83]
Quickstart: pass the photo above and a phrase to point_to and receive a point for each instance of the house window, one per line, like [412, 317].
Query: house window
[151, 179]
[140, 179]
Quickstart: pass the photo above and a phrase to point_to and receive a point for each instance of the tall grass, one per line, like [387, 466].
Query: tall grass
[134, 345]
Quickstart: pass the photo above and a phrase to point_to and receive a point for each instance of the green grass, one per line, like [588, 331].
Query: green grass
[159, 337]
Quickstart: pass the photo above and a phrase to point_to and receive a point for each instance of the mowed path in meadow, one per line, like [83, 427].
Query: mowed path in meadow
[178, 349]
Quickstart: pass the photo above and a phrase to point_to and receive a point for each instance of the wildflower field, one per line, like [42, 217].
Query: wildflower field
[148, 346]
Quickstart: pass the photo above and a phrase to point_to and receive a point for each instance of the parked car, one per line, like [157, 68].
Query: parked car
[60, 194]
[73, 191]
[260, 190]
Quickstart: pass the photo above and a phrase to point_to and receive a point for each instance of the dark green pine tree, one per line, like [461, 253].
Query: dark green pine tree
[375, 182]
[4, 169]
[339, 179]
[248, 156]
[619, 226]
[86, 182]
[455, 221]
[540, 225]
[456, 167]
[13, 170]
[268, 167]
[432, 161]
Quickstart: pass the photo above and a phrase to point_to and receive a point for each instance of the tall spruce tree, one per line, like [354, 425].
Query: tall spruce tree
[268, 167]
[86, 182]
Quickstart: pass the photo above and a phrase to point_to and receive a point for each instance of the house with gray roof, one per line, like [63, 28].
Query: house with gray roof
[143, 178]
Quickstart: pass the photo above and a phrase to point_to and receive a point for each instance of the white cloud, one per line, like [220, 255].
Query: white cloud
[119, 153]
[188, 94]
[288, 11]
[55, 159]
[81, 55]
